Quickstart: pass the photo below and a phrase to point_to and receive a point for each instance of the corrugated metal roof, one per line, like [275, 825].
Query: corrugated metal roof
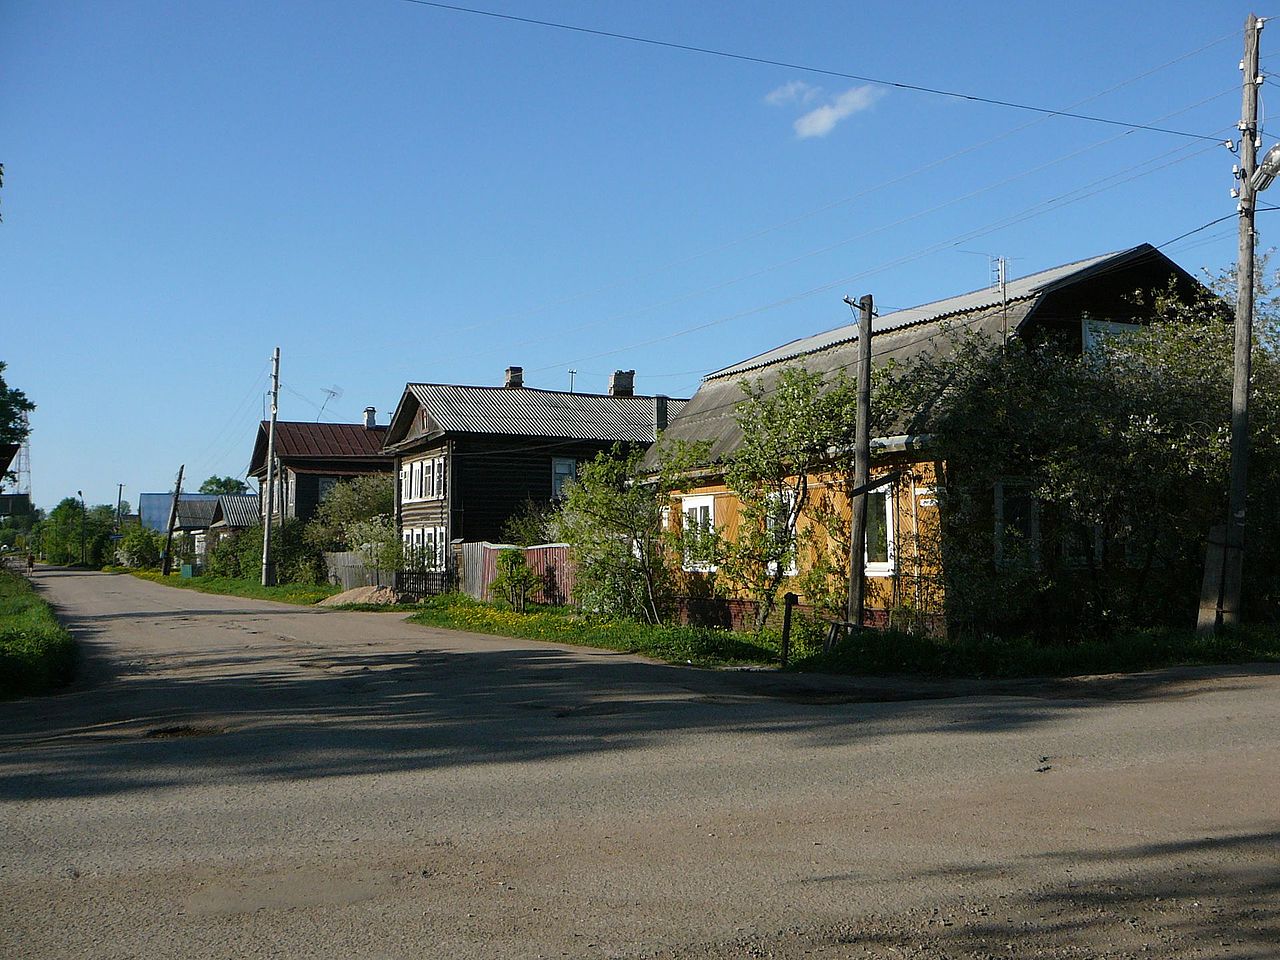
[711, 416]
[195, 514]
[530, 412]
[298, 439]
[1015, 290]
[238, 509]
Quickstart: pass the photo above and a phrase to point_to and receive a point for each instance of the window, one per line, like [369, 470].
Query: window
[699, 532]
[1017, 524]
[563, 469]
[325, 484]
[424, 479]
[781, 524]
[879, 542]
[1094, 332]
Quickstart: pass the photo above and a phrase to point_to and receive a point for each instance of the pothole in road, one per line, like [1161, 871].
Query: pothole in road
[178, 730]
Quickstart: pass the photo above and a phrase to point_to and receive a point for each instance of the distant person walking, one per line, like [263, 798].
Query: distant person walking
[31, 563]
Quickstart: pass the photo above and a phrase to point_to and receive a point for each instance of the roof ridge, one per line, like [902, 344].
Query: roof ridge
[518, 390]
[775, 355]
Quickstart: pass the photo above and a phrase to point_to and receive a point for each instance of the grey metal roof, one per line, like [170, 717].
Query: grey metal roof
[530, 412]
[711, 415]
[1015, 290]
[237, 509]
[195, 514]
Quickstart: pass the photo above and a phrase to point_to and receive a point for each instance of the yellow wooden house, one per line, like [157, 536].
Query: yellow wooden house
[1074, 304]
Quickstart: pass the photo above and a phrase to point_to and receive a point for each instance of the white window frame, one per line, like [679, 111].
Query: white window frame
[882, 568]
[697, 503]
[788, 497]
[424, 479]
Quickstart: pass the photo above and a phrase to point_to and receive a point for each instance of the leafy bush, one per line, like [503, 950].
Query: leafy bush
[297, 560]
[141, 547]
[515, 581]
[224, 558]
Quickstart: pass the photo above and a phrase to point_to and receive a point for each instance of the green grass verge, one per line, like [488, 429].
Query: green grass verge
[303, 594]
[873, 654]
[36, 653]
[893, 652]
[698, 645]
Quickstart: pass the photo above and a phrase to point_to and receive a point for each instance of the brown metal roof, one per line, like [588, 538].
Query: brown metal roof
[297, 440]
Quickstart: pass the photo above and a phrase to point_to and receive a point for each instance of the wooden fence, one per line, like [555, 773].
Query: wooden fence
[550, 562]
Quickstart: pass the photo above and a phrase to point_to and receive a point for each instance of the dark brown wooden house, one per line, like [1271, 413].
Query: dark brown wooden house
[312, 457]
[468, 458]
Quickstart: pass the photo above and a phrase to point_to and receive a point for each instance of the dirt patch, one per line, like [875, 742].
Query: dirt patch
[380, 596]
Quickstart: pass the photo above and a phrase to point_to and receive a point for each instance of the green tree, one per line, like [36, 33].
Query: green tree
[530, 525]
[613, 520]
[350, 502]
[141, 547]
[224, 485]
[1079, 488]
[73, 532]
[14, 405]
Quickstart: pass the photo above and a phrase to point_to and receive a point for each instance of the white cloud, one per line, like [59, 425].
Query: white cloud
[820, 122]
[797, 91]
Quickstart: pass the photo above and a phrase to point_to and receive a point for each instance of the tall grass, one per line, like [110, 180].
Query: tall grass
[303, 594]
[36, 652]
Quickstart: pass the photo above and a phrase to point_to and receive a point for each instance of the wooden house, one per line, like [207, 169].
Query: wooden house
[312, 457]
[1072, 304]
[467, 458]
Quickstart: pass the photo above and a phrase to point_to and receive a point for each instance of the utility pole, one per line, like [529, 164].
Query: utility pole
[167, 564]
[119, 500]
[1002, 278]
[268, 569]
[1233, 558]
[861, 468]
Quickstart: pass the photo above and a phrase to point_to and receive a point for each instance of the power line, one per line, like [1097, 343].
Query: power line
[877, 81]
[905, 177]
[720, 285]
[1073, 196]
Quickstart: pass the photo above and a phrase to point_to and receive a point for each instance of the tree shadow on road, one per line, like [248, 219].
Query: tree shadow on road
[260, 706]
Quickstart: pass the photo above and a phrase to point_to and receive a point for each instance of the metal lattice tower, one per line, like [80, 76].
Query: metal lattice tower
[22, 463]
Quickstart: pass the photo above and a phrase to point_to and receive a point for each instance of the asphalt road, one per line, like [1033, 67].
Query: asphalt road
[241, 778]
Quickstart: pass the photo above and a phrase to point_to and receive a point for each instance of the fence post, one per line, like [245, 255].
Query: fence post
[788, 601]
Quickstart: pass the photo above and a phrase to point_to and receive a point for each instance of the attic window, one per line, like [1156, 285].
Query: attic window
[1093, 333]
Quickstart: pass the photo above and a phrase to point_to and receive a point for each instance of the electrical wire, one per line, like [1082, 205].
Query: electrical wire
[908, 176]
[876, 81]
[1074, 196]
[703, 291]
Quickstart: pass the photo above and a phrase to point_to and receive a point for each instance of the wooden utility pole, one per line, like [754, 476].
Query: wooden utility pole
[166, 565]
[861, 469]
[1233, 569]
[1228, 612]
[268, 568]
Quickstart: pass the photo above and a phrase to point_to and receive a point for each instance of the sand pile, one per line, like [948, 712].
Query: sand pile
[377, 595]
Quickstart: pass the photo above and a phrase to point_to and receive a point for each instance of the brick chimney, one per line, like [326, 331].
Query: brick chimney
[622, 383]
[370, 418]
[515, 378]
[659, 413]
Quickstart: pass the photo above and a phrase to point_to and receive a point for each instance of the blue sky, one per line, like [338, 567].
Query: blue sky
[392, 192]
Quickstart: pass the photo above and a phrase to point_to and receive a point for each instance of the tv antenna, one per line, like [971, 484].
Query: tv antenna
[330, 393]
